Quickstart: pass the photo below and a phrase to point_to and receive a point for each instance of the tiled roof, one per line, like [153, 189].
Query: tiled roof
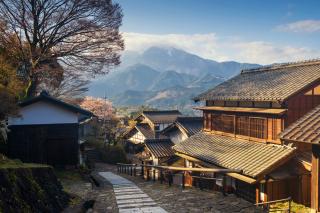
[167, 116]
[146, 130]
[192, 125]
[306, 129]
[273, 83]
[160, 147]
[253, 158]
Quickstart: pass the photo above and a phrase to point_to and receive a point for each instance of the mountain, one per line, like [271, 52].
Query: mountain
[171, 78]
[163, 78]
[169, 58]
[137, 77]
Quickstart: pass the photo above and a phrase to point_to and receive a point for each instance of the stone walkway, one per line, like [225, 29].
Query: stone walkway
[129, 197]
[176, 200]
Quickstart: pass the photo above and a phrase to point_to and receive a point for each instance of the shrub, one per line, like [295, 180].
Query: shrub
[114, 154]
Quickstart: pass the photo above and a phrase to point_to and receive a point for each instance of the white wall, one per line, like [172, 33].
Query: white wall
[138, 138]
[43, 113]
[177, 136]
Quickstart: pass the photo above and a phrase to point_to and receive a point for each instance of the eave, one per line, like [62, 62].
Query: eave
[243, 110]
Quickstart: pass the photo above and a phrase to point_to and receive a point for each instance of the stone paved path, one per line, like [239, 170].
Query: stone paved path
[130, 198]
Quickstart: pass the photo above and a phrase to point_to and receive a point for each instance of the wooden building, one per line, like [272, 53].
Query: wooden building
[243, 118]
[46, 131]
[149, 126]
[305, 134]
[183, 128]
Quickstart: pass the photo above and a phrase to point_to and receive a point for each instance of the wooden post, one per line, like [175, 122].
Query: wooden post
[142, 172]
[183, 180]
[154, 175]
[161, 176]
[289, 210]
[148, 174]
[170, 178]
[315, 176]
[224, 182]
[131, 170]
[135, 170]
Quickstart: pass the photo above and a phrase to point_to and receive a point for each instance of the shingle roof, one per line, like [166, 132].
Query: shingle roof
[160, 147]
[272, 83]
[306, 129]
[166, 116]
[192, 125]
[253, 158]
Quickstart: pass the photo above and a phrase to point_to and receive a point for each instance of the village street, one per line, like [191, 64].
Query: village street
[158, 197]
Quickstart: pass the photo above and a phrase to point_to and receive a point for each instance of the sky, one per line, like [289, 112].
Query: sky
[253, 31]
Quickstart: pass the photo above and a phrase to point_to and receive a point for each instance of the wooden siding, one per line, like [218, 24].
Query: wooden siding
[49, 144]
[260, 128]
[315, 177]
[302, 103]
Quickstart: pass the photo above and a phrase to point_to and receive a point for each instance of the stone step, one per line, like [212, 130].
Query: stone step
[143, 210]
[135, 200]
[121, 197]
[133, 205]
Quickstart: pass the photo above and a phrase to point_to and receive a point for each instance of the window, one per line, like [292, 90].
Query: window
[223, 123]
[242, 126]
[274, 129]
[207, 121]
[258, 128]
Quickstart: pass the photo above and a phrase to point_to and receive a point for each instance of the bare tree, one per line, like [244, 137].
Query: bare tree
[81, 35]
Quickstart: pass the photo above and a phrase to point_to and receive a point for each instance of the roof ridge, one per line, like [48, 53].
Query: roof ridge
[276, 66]
[152, 111]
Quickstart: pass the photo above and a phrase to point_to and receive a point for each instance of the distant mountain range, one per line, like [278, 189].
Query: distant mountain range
[163, 78]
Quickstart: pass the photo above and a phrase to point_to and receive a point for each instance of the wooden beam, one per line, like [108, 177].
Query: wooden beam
[315, 188]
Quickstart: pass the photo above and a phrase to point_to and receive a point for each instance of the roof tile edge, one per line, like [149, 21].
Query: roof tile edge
[276, 66]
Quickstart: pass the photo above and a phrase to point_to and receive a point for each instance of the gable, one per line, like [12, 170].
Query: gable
[42, 112]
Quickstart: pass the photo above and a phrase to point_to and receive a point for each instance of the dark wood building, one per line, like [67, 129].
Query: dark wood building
[47, 131]
[149, 127]
[243, 118]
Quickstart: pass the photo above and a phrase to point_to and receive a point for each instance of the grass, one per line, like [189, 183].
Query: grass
[72, 181]
[295, 207]
[6, 163]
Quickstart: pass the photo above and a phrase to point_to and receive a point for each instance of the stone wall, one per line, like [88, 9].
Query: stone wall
[31, 189]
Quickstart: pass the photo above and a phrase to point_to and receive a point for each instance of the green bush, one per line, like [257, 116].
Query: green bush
[114, 154]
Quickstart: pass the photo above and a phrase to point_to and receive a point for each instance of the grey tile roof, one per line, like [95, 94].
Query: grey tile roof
[192, 125]
[146, 130]
[306, 129]
[272, 83]
[160, 147]
[253, 158]
[165, 116]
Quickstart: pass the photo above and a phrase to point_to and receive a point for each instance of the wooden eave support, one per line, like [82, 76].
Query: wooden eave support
[231, 174]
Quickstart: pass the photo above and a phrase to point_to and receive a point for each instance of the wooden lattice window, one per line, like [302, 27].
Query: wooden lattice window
[223, 123]
[227, 123]
[258, 128]
[207, 120]
[242, 125]
[274, 129]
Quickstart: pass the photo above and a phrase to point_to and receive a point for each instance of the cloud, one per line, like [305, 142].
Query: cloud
[200, 44]
[211, 46]
[304, 26]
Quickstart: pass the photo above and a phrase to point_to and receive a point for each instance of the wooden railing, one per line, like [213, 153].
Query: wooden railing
[166, 173]
[266, 205]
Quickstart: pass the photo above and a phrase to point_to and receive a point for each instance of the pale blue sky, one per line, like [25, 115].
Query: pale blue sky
[243, 30]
